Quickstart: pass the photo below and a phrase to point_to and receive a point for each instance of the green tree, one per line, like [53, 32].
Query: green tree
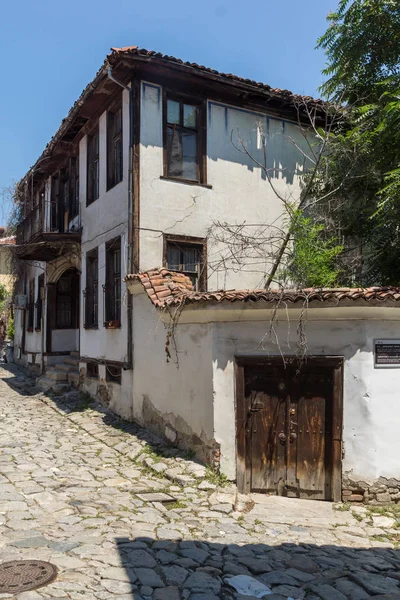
[312, 260]
[362, 45]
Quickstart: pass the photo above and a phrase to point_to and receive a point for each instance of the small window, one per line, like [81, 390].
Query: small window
[31, 305]
[39, 303]
[113, 374]
[91, 293]
[112, 287]
[74, 187]
[188, 258]
[183, 141]
[114, 147]
[92, 370]
[93, 167]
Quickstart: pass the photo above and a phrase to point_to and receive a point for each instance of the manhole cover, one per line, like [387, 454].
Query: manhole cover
[23, 575]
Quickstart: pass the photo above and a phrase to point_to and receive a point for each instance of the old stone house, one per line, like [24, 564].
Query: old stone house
[138, 173]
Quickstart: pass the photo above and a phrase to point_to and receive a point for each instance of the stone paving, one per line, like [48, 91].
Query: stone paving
[70, 476]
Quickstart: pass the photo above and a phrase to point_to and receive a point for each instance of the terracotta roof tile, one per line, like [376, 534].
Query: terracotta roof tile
[152, 54]
[8, 241]
[166, 288]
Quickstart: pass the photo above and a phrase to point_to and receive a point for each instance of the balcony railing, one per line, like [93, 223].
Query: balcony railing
[47, 231]
[47, 217]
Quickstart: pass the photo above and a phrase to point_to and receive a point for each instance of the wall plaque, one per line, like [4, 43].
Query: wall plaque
[387, 353]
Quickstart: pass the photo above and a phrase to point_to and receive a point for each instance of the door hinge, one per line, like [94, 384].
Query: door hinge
[343, 450]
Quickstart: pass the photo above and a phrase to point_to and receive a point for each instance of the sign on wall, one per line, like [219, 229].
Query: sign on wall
[387, 353]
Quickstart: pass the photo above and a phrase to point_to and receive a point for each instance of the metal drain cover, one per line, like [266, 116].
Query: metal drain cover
[23, 575]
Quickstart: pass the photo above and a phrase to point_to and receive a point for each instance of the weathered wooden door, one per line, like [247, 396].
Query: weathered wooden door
[287, 434]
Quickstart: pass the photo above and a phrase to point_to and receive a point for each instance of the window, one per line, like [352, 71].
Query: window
[31, 305]
[67, 300]
[92, 370]
[187, 255]
[91, 293]
[183, 141]
[93, 166]
[74, 187]
[112, 286]
[114, 147]
[113, 374]
[39, 303]
[55, 202]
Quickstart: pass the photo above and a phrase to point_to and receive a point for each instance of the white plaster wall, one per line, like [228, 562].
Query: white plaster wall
[371, 407]
[103, 220]
[239, 191]
[176, 390]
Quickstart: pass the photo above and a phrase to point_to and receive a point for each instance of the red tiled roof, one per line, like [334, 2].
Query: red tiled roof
[8, 241]
[149, 54]
[166, 288]
[132, 51]
[163, 286]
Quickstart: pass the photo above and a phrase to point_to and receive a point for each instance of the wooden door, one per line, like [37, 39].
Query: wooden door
[287, 438]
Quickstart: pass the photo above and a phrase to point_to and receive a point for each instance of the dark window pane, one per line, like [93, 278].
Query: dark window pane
[118, 122]
[173, 257]
[173, 110]
[174, 150]
[189, 116]
[189, 156]
[190, 258]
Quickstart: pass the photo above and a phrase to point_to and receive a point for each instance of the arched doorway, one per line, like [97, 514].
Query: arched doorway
[63, 313]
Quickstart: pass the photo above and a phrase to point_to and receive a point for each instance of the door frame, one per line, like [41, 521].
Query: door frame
[243, 472]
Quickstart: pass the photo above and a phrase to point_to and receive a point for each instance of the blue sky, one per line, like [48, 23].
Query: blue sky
[52, 49]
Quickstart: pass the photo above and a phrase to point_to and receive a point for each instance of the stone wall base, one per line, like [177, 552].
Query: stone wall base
[179, 434]
[383, 491]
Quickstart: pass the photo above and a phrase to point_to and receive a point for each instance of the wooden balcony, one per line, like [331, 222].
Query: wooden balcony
[47, 233]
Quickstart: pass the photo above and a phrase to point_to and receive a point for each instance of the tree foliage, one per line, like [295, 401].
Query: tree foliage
[312, 261]
[362, 45]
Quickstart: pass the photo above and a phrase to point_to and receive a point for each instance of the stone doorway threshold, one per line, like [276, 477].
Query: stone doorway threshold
[295, 511]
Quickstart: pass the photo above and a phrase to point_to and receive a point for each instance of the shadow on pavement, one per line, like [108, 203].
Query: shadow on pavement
[199, 570]
[23, 381]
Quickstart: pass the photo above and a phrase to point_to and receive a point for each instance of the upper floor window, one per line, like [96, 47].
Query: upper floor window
[93, 166]
[39, 303]
[31, 305]
[74, 187]
[183, 141]
[114, 147]
[112, 286]
[188, 256]
[92, 289]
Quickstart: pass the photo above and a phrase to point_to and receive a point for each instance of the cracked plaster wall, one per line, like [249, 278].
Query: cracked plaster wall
[371, 407]
[175, 398]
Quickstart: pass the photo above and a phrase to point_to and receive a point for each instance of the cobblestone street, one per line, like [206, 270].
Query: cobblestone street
[71, 477]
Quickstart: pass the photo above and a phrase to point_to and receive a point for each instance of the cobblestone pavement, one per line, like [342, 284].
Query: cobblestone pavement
[70, 475]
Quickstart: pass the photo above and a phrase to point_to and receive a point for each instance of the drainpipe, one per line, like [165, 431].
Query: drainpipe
[129, 353]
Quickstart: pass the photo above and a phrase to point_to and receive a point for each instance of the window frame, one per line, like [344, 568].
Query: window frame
[92, 323]
[200, 130]
[92, 158]
[189, 241]
[114, 140]
[31, 305]
[39, 303]
[92, 369]
[73, 207]
[112, 300]
[111, 377]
